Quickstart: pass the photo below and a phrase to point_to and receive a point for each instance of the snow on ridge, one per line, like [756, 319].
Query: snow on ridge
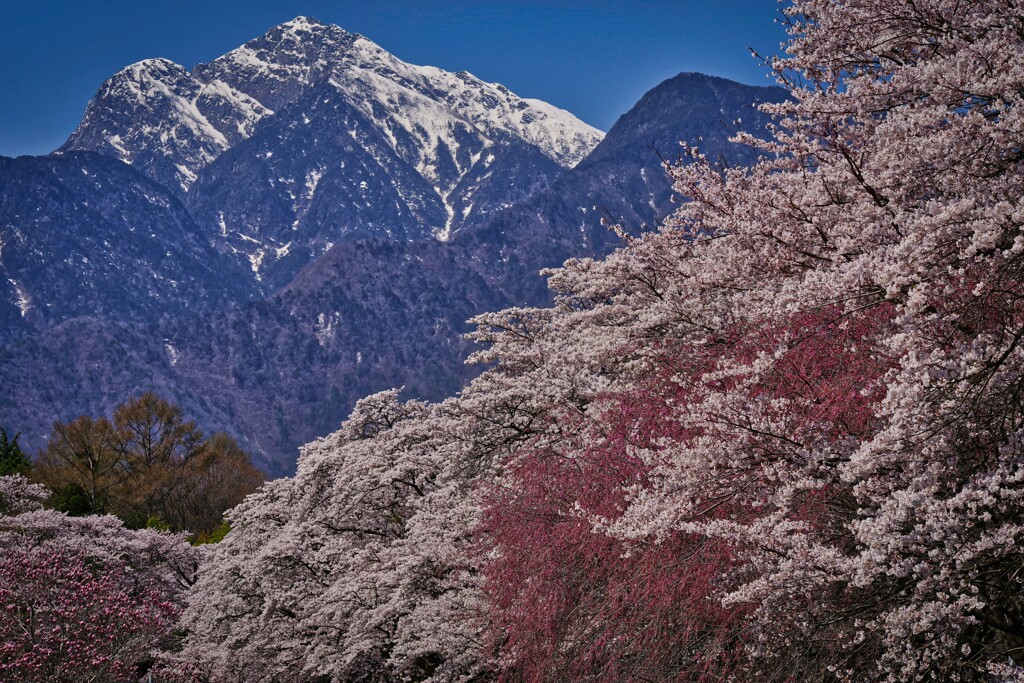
[443, 112]
[558, 133]
[428, 102]
[24, 301]
[452, 119]
[154, 104]
[302, 51]
[302, 24]
[249, 59]
[488, 106]
[147, 68]
[560, 124]
[137, 81]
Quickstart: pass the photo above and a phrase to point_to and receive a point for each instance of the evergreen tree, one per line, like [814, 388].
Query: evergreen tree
[12, 459]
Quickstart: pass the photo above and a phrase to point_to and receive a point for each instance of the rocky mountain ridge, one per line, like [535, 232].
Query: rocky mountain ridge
[309, 135]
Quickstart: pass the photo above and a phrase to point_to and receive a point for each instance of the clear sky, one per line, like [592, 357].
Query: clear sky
[592, 57]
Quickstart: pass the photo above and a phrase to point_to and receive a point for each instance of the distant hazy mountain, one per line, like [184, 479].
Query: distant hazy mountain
[369, 313]
[310, 135]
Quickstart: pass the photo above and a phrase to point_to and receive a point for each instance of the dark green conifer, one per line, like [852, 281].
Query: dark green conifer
[12, 459]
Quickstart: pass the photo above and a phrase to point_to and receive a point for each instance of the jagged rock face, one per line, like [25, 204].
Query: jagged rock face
[276, 68]
[453, 149]
[82, 234]
[155, 116]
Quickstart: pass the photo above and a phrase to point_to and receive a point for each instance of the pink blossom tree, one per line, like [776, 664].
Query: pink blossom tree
[570, 603]
[83, 598]
[843, 321]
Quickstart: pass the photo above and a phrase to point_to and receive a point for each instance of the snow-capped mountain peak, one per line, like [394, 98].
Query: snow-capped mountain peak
[398, 150]
[157, 117]
[180, 121]
[276, 67]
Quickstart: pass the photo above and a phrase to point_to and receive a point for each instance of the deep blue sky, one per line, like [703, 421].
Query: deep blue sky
[592, 57]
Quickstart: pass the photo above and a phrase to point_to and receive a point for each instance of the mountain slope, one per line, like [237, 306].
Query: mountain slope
[83, 234]
[321, 172]
[622, 182]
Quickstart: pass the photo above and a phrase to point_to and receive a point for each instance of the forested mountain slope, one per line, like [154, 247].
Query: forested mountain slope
[82, 234]
[373, 313]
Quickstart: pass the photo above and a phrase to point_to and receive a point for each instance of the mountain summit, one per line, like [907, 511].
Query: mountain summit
[219, 103]
[309, 135]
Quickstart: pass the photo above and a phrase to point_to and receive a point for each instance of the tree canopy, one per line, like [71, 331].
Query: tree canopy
[146, 465]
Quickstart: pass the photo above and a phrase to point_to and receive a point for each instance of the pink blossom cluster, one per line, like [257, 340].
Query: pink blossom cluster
[66, 619]
[83, 598]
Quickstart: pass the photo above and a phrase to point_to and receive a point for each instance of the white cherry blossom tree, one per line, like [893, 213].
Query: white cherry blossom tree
[777, 440]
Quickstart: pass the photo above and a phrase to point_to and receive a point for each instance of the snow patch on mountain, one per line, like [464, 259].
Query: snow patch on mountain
[24, 301]
[430, 103]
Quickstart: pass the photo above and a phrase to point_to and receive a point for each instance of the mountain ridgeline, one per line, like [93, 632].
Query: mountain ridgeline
[310, 135]
[270, 236]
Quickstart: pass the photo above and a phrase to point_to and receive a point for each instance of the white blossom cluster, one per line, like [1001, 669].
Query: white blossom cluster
[843, 322]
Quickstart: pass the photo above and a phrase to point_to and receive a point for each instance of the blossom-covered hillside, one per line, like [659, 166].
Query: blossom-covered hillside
[778, 440]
